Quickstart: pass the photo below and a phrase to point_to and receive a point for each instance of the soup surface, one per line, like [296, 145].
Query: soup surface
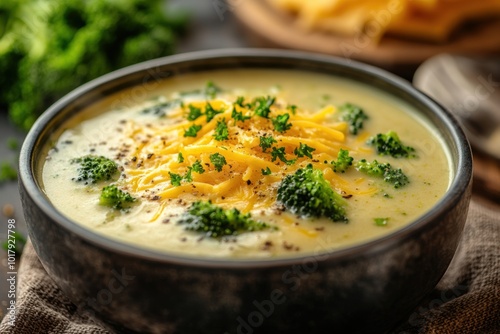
[246, 164]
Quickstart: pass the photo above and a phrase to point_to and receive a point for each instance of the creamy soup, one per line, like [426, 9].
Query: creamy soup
[232, 145]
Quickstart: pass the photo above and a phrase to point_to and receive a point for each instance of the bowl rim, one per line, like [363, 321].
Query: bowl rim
[457, 187]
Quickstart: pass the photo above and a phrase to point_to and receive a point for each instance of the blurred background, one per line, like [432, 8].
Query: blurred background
[48, 48]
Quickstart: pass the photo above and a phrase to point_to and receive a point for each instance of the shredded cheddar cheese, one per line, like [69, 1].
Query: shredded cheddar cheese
[241, 181]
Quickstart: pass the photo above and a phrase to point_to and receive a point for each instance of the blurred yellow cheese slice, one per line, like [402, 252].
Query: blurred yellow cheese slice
[432, 20]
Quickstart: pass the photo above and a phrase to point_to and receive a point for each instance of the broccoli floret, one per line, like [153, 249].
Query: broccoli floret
[344, 161]
[308, 194]
[216, 222]
[390, 144]
[117, 199]
[94, 168]
[354, 116]
[394, 176]
[48, 48]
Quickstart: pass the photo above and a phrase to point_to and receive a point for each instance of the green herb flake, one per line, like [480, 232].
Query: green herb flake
[292, 108]
[240, 101]
[189, 175]
[175, 179]
[279, 153]
[218, 160]
[238, 116]
[210, 112]
[262, 105]
[281, 124]
[381, 221]
[304, 151]
[221, 130]
[194, 113]
[192, 131]
[266, 171]
[180, 157]
[266, 142]
[198, 167]
[211, 90]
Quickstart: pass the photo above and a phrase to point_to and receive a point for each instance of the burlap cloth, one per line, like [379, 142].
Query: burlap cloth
[467, 300]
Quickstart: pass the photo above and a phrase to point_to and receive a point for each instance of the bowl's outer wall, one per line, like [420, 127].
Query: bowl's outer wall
[358, 290]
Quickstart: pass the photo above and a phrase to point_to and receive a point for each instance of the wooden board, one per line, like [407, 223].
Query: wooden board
[276, 29]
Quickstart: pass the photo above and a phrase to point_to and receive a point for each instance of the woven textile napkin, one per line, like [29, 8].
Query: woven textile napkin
[467, 300]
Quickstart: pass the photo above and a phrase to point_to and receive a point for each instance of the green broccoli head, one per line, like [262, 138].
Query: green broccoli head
[390, 144]
[308, 194]
[344, 161]
[215, 222]
[115, 198]
[396, 177]
[49, 48]
[93, 169]
[354, 116]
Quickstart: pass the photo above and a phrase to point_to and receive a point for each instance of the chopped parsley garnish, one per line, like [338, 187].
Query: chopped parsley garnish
[194, 113]
[266, 142]
[198, 168]
[266, 171]
[263, 105]
[292, 108]
[381, 221]
[189, 174]
[180, 157]
[211, 90]
[238, 116]
[221, 131]
[175, 179]
[281, 122]
[239, 101]
[210, 112]
[304, 150]
[279, 153]
[218, 161]
[192, 131]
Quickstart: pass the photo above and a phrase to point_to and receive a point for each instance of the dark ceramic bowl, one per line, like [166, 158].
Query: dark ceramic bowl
[362, 289]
